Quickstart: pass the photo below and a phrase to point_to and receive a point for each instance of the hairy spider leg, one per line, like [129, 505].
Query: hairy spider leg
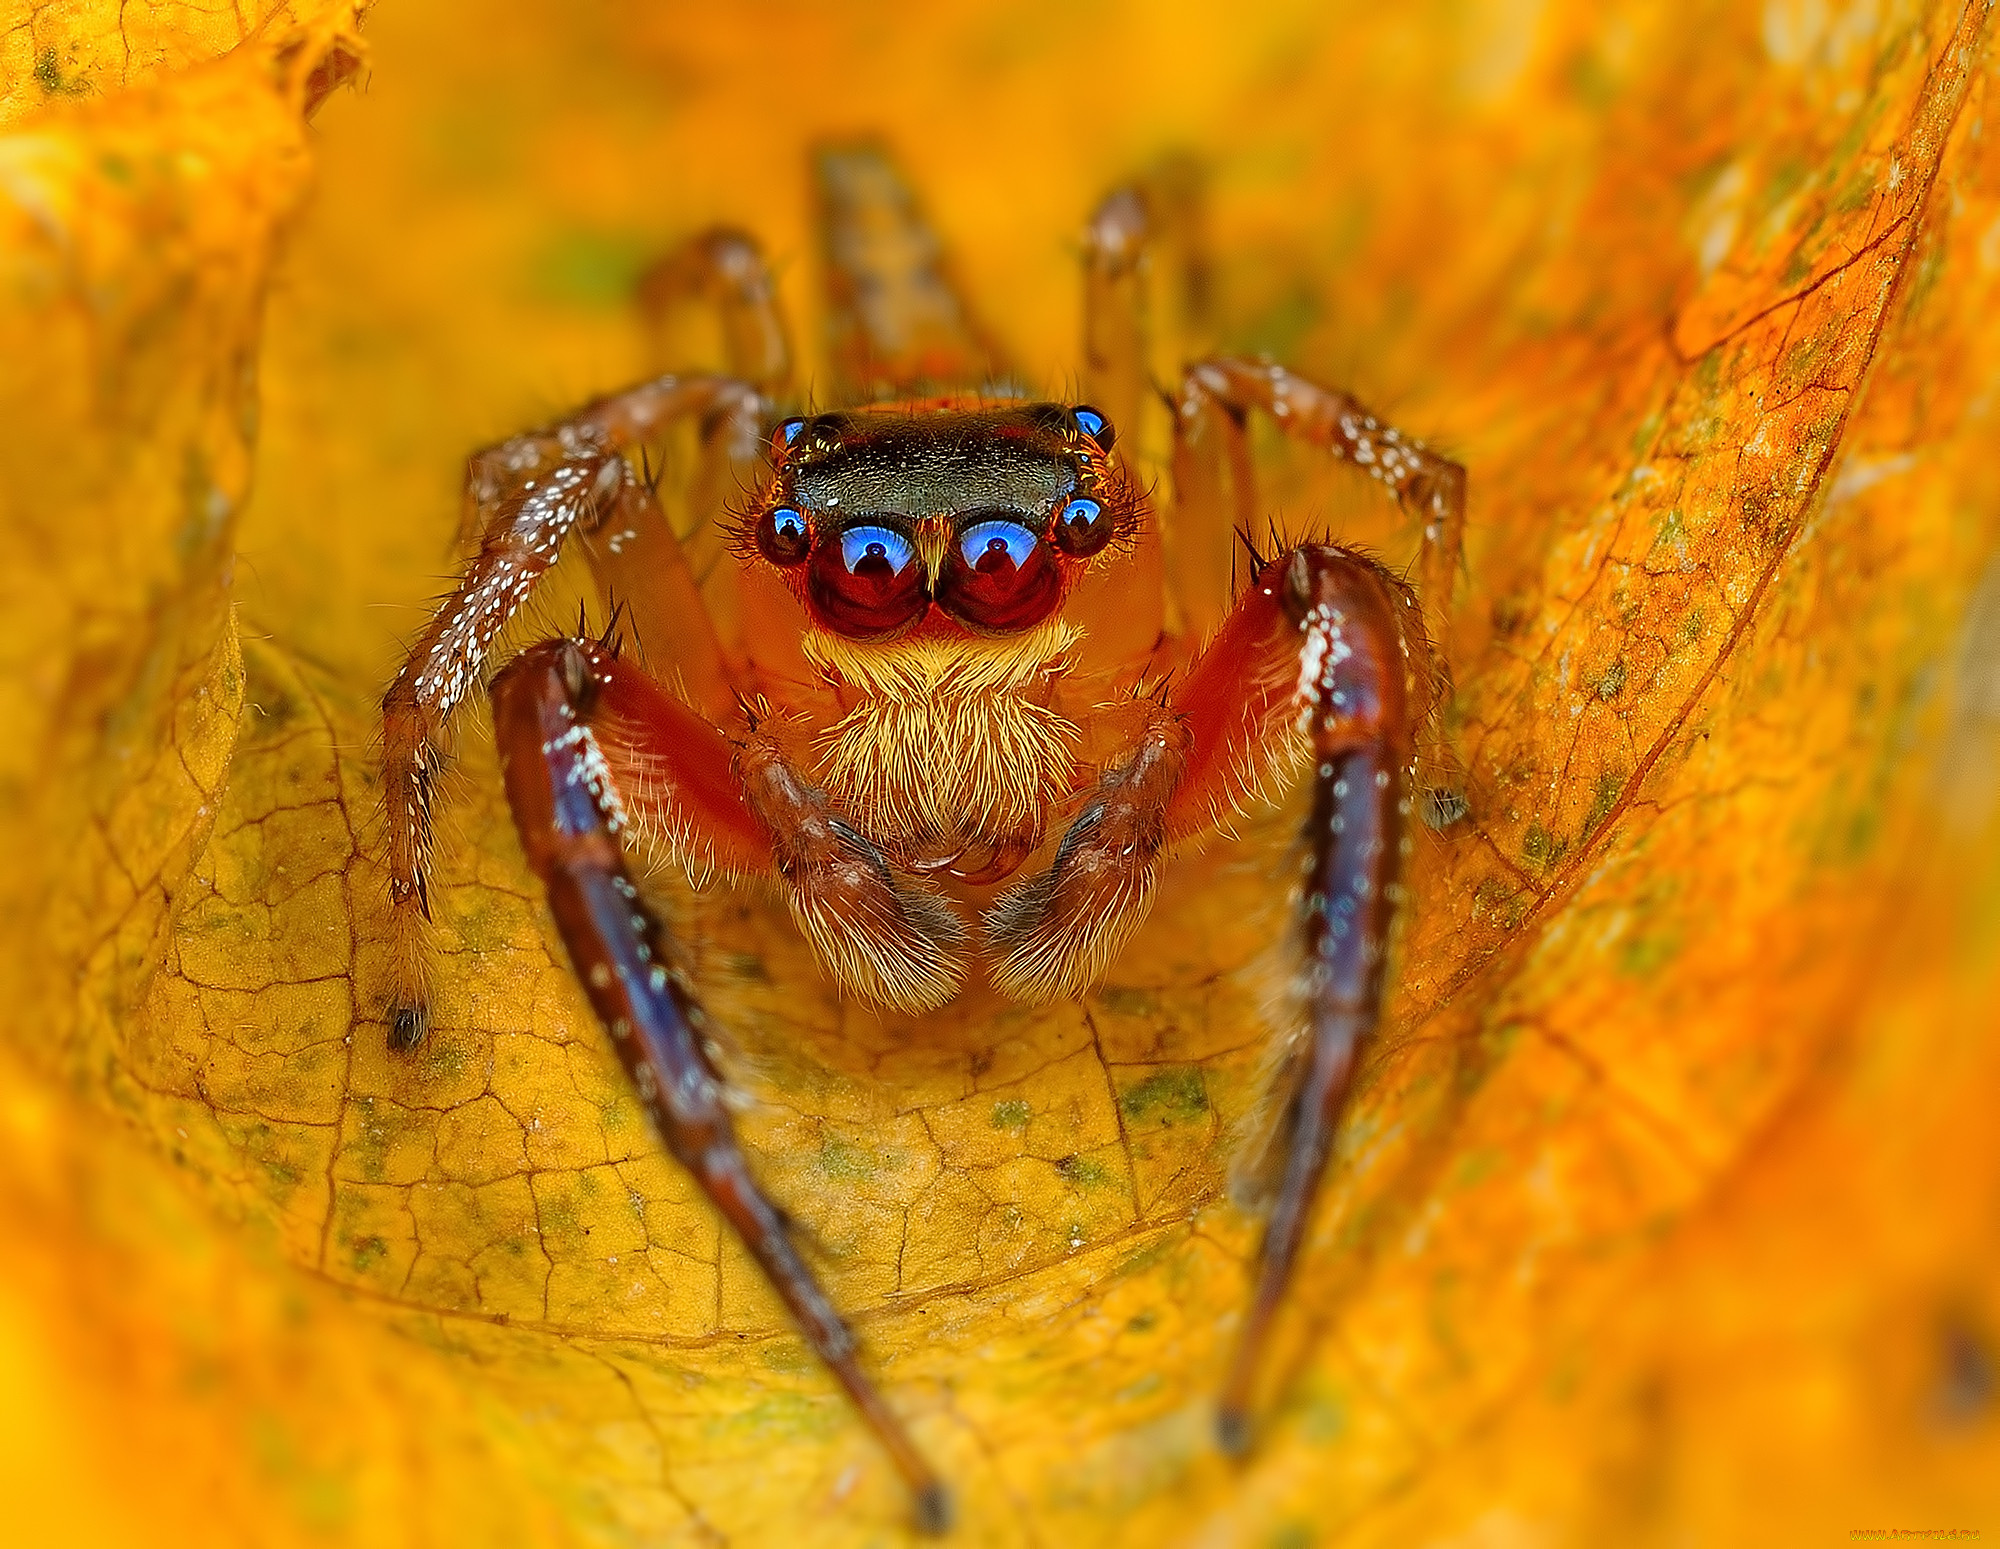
[1212, 450]
[1215, 499]
[524, 498]
[570, 815]
[898, 322]
[723, 270]
[1215, 399]
[1362, 658]
[1368, 691]
[1121, 608]
[1117, 347]
[1323, 657]
[1147, 278]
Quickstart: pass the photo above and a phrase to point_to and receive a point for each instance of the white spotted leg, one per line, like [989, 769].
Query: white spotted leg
[524, 499]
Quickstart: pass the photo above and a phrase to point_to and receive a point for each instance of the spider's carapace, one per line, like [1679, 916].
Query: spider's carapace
[935, 693]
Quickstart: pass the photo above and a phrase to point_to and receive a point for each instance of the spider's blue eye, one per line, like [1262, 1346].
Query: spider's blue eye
[1000, 577]
[865, 583]
[1094, 425]
[784, 434]
[783, 536]
[1082, 528]
[990, 546]
[882, 550]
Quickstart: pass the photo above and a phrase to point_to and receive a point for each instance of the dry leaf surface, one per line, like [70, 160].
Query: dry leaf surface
[1669, 1205]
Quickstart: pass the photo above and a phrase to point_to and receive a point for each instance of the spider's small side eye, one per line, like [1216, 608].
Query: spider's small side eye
[786, 433]
[783, 536]
[1095, 426]
[1082, 528]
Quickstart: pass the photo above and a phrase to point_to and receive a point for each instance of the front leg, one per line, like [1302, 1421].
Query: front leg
[570, 815]
[1323, 658]
[524, 499]
[1362, 658]
[1215, 490]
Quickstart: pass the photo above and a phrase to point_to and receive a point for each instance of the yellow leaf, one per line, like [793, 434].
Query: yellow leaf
[1669, 1204]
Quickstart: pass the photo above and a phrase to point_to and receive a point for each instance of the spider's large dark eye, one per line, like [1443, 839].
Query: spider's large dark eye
[999, 576]
[1082, 528]
[782, 536]
[865, 581]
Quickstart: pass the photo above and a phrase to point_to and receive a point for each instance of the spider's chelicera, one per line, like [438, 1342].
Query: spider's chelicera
[932, 686]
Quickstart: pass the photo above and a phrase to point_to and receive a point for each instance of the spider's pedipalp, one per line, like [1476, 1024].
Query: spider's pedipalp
[1056, 933]
[895, 942]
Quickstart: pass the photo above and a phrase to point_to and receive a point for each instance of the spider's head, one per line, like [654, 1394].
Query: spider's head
[940, 516]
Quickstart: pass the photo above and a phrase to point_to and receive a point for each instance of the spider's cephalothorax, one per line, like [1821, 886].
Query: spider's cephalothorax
[932, 552]
[928, 680]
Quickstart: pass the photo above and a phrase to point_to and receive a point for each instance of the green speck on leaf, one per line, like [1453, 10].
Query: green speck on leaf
[1609, 784]
[1280, 326]
[49, 76]
[844, 1162]
[1083, 1172]
[784, 1355]
[1176, 1094]
[1642, 957]
[1475, 1166]
[1011, 1114]
[591, 268]
[1671, 531]
[1124, 1002]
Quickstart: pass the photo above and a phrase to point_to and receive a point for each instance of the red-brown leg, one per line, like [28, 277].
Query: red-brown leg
[1216, 395]
[1215, 487]
[718, 275]
[1363, 671]
[721, 271]
[524, 498]
[1323, 657]
[570, 816]
[1121, 608]
[897, 319]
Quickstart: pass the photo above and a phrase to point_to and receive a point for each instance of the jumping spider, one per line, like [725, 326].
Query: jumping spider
[932, 687]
